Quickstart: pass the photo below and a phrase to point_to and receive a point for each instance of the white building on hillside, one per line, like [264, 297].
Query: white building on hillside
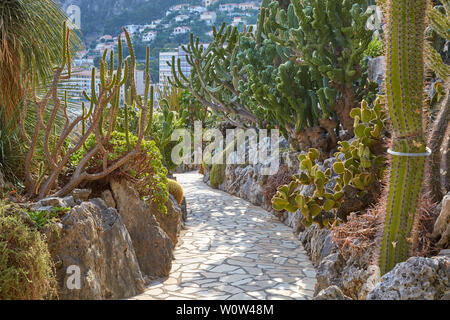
[181, 17]
[237, 20]
[149, 36]
[165, 71]
[181, 30]
[197, 9]
[228, 7]
[248, 6]
[132, 28]
[209, 17]
[207, 3]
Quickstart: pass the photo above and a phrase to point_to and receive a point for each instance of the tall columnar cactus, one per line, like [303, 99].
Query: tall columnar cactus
[404, 88]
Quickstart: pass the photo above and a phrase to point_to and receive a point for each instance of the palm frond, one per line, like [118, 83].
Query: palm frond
[31, 42]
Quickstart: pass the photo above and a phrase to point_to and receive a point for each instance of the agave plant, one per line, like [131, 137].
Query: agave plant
[30, 42]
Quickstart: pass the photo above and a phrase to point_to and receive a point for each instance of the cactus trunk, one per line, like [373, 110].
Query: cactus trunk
[404, 88]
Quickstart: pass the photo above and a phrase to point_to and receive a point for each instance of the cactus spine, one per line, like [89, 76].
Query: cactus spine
[404, 87]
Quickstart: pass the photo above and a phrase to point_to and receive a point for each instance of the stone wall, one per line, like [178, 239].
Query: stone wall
[118, 243]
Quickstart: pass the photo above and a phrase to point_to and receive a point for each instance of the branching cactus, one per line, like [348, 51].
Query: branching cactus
[332, 38]
[98, 120]
[405, 28]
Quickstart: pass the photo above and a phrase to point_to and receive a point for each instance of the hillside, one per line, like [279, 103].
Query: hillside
[107, 16]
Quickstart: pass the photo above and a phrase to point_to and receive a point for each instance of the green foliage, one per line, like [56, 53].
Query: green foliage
[357, 168]
[440, 24]
[31, 43]
[26, 268]
[375, 48]
[148, 170]
[166, 123]
[300, 66]
[195, 110]
[404, 95]
[176, 190]
[41, 218]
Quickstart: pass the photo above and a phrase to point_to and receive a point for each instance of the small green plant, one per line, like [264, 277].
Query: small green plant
[26, 268]
[358, 167]
[217, 175]
[375, 48]
[41, 218]
[176, 190]
[167, 121]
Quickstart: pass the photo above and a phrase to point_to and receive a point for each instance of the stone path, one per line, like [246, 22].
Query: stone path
[232, 250]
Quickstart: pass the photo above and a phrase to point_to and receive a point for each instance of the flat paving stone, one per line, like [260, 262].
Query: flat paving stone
[233, 250]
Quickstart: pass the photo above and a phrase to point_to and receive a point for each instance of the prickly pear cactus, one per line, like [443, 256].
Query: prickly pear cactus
[357, 171]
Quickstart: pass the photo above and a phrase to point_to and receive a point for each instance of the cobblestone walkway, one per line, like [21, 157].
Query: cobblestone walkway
[233, 250]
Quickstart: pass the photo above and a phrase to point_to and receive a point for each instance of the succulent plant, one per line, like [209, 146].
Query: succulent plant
[405, 30]
[357, 168]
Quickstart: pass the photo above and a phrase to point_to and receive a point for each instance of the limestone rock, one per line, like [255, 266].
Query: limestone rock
[109, 199]
[171, 221]
[154, 248]
[318, 243]
[294, 220]
[94, 239]
[81, 194]
[70, 201]
[441, 229]
[329, 272]
[376, 69]
[52, 202]
[416, 279]
[331, 293]
[184, 212]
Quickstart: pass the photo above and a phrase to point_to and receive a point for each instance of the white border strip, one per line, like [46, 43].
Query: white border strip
[418, 155]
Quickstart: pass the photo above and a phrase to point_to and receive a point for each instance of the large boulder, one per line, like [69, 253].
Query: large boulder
[153, 247]
[171, 221]
[331, 293]
[416, 279]
[94, 240]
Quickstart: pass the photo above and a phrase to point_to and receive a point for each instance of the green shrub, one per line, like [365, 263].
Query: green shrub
[375, 48]
[26, 268]
[147, 170]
